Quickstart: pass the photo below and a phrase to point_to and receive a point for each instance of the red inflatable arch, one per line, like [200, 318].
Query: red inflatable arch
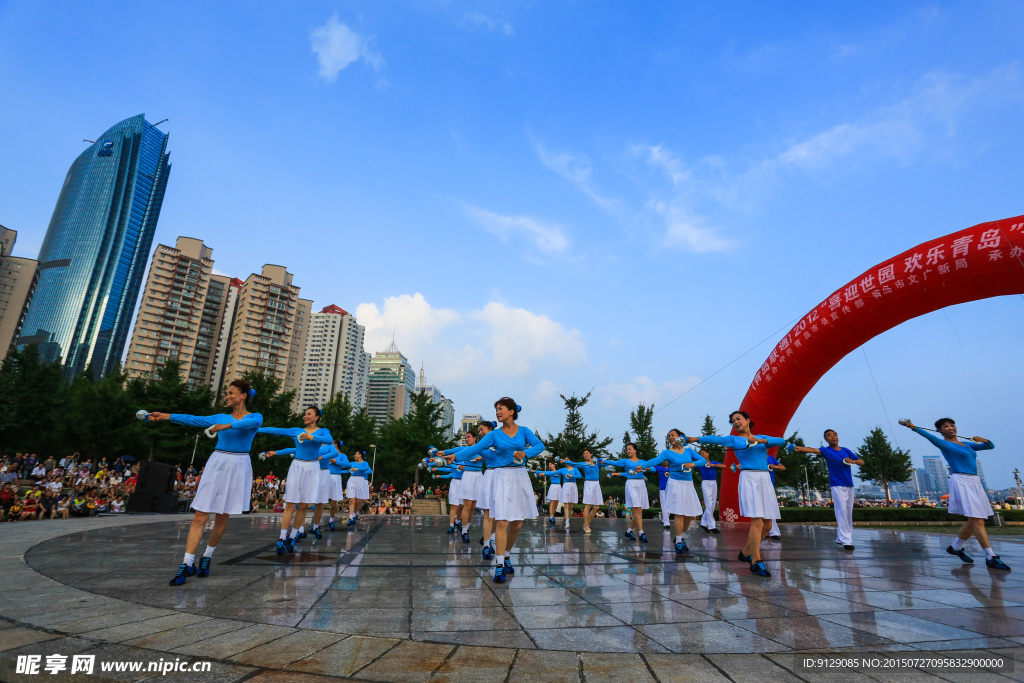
[983, 261]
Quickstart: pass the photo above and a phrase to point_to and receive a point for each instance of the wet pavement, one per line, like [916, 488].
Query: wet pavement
[397, 599]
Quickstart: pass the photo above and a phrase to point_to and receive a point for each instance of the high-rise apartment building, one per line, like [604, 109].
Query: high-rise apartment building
[269, 328]
[334, 360]
[93, 256]
[391, 383]
[447, 417]
[232, 286]
[18, 277]
[180, 314]
[469, 421]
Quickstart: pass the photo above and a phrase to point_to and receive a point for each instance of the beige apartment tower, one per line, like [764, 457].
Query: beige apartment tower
[269, 328]
[18, 277]
[180, 313]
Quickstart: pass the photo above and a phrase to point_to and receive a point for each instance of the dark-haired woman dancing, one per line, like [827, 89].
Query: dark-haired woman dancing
[303, 473]
[756, 493]
[227, 479]
[512, 500]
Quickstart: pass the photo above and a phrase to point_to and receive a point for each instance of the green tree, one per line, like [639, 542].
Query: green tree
[100, 417]
[354, 427]
[801, 469]
[32, 396]
[883, 464]
[403, 443]
[641, 421]
[574, 437]
[168, 392]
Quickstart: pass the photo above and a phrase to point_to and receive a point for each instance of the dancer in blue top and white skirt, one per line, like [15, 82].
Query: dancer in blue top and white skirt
[226, 484]
[454, 477]
[303, 474]
[637, 499]
[756, 493]
[840, 481]
[512, 500]
[681, 499]
[553, 495]
[358, 490]
[337, 463]
[966, 495]
[590, 468]
[568, 475]
[483, 501]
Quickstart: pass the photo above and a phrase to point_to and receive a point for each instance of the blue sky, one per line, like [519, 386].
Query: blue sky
[538, 197]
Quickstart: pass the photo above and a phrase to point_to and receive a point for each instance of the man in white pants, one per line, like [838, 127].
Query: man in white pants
[709, 487]
[840, 479]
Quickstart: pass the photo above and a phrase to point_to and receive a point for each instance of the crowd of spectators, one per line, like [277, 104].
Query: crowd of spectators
[34, 489]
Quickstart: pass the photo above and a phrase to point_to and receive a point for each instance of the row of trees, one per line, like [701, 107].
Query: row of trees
[40, 413]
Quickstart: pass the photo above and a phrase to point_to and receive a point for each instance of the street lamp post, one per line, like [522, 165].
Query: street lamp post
[194, 447]
[1016, 478]
[374, 465]
[807, 481]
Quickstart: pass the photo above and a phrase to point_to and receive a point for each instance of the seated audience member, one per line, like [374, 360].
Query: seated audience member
[64, 506]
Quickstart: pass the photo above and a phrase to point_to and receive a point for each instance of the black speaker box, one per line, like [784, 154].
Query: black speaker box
[156, 480]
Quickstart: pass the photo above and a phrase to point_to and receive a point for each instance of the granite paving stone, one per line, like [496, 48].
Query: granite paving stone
[345, 657]
[407, 662]
[475, 665]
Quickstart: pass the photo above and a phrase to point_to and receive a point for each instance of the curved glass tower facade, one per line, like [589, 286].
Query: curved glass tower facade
[93, 256]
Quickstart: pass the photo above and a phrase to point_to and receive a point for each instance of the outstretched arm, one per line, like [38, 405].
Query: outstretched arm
[805, 449]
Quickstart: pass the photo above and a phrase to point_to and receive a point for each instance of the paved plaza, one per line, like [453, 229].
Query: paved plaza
[396, 599]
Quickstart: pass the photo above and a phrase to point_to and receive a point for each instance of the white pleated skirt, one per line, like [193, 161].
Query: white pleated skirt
[570, 494]
[325, 487]
[966, 496]
[486, 493]
[337, 487]
[469, 486]
[680, 498]
[592, 493]
[303, 482]
[454, 497]
[226, 484]
[554, 494]
[358, 488]
[636, 494]
[757, 495]
[513, 499]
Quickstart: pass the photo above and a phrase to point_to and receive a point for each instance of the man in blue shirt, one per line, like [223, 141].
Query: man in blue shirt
[840, 480]
[709, 487]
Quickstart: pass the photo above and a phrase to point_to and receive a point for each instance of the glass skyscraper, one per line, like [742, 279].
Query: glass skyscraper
[93, 258]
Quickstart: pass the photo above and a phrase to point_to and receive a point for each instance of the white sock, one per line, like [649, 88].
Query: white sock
[330, 520]
[295, 532]
[351, 516]
[679, 539]
[500, 559]
[315, 527]
[209, 551]
[190, 559]
[302, 529]
[491, 539]
[465, 528]
[958, 543]
[284, 534]
[989, 553]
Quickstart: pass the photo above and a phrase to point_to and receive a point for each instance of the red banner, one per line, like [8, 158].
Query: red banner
[980, 262]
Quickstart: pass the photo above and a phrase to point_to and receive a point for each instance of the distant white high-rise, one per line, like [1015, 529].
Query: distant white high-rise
[935, 473]
[392, 381]
[468, 421]
[447, 417]
[334, 360]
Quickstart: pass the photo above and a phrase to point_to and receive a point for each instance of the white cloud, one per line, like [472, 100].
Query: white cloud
[336, 46]
[643, 389]
[549, 238]
[495, 341]
[477, 21]
[578, 170]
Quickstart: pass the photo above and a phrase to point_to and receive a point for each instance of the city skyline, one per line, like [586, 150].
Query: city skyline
[633, 206]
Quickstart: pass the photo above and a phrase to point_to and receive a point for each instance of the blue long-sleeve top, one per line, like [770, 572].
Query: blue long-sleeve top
[590, 472]
[307, 449]
[662, 476]
[360, 469]
[504, 447]
[709, 473]
[559, 476]
[960, 456]
[629, 466]
[676, 460]
[452, 472]
[238, 439]
[326, 451]
[753, 457]
[341, 462]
